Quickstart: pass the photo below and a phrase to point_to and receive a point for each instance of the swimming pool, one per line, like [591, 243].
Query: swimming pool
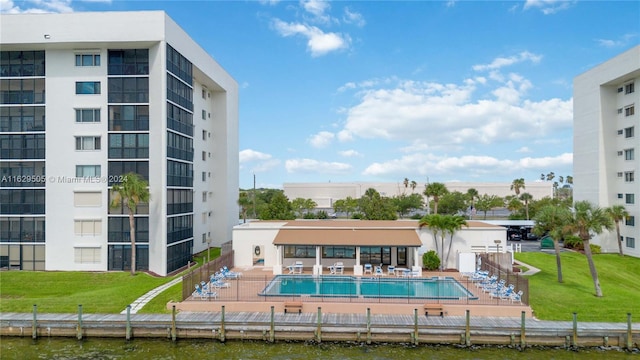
[444, 288]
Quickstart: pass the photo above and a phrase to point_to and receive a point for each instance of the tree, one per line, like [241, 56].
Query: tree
[406, 203]
[347, 206]
[526, 198]
[617, 213]
[554, 220]
[453, 223]
[302, 206]
[514, 204]
[376, 207]
[588, 218]
[516, 185]
[484, 204]
[244, 202]
[435, 190]
[132, 191]
[551, 176]
[413, 185]
[279, 208]
[435, 223]
[452, 203]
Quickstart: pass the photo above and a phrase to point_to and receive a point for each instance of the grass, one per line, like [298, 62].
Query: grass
[97, 292]
[111, 292]
[551, 300]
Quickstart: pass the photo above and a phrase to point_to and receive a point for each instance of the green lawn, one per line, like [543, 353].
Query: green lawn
[111, 292]
[551, 300]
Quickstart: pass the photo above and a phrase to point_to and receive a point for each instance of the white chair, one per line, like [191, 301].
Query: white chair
[368, 269]
[378, 271]
[339, 267]
[391, 270]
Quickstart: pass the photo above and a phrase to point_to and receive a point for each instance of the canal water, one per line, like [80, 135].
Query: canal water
[109, 349]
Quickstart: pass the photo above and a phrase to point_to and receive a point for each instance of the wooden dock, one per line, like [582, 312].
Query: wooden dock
[319, 327]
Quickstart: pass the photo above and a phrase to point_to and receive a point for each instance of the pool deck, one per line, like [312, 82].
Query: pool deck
[485, 306]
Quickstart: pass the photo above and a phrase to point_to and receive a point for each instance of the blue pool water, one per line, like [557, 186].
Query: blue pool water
[446, 288]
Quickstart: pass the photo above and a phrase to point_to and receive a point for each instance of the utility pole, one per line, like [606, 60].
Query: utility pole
[254, 196]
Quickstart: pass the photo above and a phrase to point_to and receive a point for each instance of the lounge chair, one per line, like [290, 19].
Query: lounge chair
[517, 297]
[378, 271]
[415, 273]
[296, 268]
[339, 267]
[230, 274]
[204, 294]
[217, 283]
[368, 269]
[391, 270]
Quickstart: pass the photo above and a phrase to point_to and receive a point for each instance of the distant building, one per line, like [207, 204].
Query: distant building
[324, 194]
[88, 97]
[606, 142]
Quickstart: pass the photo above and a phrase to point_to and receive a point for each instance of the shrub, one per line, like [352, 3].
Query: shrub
[357, 216]
[322, 215]
[430, 260]
[416, 217]
[595, 249]
[309, 215]
[573, 242]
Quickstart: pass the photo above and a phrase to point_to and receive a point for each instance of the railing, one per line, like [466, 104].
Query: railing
[191, 279]
[506, 273]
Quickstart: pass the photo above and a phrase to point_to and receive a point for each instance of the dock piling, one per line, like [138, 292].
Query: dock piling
[128, 328]
[368, 326]
[629, 334]
[79, 327]
[272, 335]
[173, 323]
[319, 328]
[222, 331]
[523, 340]
[34, 325]
[574, 340]
[467, 329]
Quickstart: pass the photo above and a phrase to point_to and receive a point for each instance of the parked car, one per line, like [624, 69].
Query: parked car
[514, 235]
[531, 236]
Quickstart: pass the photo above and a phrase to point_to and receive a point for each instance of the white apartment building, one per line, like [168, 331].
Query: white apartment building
[88, 97]
[606, 143]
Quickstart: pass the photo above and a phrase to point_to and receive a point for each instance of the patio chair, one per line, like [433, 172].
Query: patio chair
[218, 283]
[339, 267]
[415, 273]
[378, 271]
[368, 269]
[204, 294]
[391, 270]
[230, 274]
[517, 297]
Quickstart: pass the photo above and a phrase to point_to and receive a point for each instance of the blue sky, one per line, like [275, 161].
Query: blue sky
[379, 91]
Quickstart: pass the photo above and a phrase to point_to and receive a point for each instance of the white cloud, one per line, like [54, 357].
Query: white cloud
[40, 6]
[350, 153]
[311, 166]
[317, 8]
[549, 7]
[609, 43]
[472, 165]
[258, 161]
[318, 42]
[344, 136]
[352, 17]
[252, 155]
[524, 149]
[500, 62]
[321, 139]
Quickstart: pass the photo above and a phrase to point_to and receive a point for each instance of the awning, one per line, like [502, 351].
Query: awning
[349, 237]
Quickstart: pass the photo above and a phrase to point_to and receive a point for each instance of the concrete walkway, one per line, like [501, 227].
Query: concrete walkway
[532, 270]
[144, 299]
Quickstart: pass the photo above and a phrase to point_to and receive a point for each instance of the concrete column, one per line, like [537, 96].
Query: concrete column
[277, 267]
[357, 268]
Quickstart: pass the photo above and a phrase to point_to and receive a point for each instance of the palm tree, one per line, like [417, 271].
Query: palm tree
[453, 223]
[516, 185]
[553, 220]
[244, 202]
[472, 194]
[526, 197]
[132, 191]
[435, 223]
[413, 185]
[435, 190]
[589, 218]
[617, 213]
[406, 183]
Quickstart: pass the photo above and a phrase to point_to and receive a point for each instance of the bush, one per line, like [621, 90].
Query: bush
[430, 261]
[322, 215]
[573, 242]
[595, 249]
[357, 216]
[416, 216]
[309, 215]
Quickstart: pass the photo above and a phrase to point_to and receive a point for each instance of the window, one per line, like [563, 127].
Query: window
[87, 171]
[204, 93]
[129, 62]
[87, 87]
[620, 153]
[204, 156]
[620, 132]
[128, 146]
[620, 196]
[204, 176]
[620, 174]
[90, 227]
[128, 90]
[204, 196]
[87, 115]
[628, 132]
[204, 134]
[631, 242]
[87, 142]
[204, 238]
[128, 117]
[620, 111]
[87, 198]
[87, 59]
[204, 114]
[339, 252]
[87, 255]
[300, 251]
[620, 89]
[629, 110]
[629, 176]
[630, 221]
[629, 88]
[629, 154]
[204, 217]
[629, 198]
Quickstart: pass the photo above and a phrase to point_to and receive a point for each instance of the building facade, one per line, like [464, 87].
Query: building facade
[86, 98]
[606, 143]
